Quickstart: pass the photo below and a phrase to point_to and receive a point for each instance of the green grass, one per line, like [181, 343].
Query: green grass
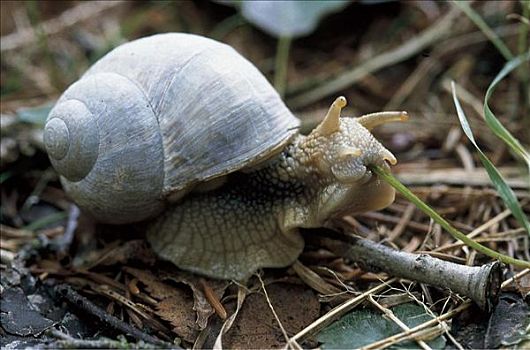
[388, 177]
[493, 122]
[506, 193]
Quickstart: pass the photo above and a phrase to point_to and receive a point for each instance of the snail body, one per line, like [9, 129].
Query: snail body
[182, 129]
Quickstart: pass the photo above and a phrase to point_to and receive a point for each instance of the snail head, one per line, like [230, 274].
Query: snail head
[342, 149]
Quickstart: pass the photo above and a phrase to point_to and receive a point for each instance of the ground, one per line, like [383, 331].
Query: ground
[69, 282]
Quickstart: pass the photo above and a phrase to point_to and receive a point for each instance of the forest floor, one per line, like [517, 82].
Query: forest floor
[68, 282]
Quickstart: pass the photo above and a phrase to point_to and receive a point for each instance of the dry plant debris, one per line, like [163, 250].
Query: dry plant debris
[125, 290]
[256, 327]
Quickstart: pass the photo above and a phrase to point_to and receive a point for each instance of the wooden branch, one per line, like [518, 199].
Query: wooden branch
[81, 302]
[480, 283]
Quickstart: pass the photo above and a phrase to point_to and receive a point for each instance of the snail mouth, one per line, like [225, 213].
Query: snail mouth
[384, 163]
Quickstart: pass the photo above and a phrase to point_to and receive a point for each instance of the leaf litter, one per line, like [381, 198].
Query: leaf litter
[467, 200]
[256, 327]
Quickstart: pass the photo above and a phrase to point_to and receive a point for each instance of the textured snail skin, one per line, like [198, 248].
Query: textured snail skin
[253, 220]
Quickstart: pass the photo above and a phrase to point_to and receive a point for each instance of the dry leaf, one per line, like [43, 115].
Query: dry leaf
[256, 327]
[178, 310]
[135, 249]
[200, 303]
[157, 289]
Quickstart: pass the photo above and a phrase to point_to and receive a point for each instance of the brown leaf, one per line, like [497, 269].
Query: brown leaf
[256, 327]
[178, 310]
[135, 249]
[156, 288]
[200, 303]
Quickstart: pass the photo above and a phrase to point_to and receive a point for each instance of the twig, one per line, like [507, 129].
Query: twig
[68, 342]
[495, 220]
[458, 176]
[214, 301]
[68, 18]
[408, 49]
[403, 221]
[508, 236]
[6, 256]
[411, 333]
[79, 301]
[416, 226]
[62, 243]
[337, 312]
[388, 177]
[313, 280]
[290, 344]
[396, 320]
[481, 284]
[506, 283]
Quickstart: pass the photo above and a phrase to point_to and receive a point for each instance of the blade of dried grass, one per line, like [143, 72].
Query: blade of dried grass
[338, 311]
[241, 295]
[429, 36]
[506, 283]
[503, 189]
[488, 32]
[460, 177]
[313, 280]
[412, 332]
[291, 344]
[388, 177]
[67, 19]
[388, 313]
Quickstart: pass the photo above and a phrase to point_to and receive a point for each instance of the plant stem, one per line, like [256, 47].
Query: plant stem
[281, 63]
[388, 177]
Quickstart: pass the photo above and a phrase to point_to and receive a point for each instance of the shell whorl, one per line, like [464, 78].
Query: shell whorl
[103, 138]
[71, 138]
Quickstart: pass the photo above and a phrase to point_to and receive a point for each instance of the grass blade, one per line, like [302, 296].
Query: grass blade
[388, 177]
[503, 189]
[494, 123]
[483, 26]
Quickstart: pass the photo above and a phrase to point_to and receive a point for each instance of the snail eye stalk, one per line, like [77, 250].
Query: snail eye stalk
[370, 121]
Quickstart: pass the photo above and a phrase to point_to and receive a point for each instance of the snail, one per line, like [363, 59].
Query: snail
[183, 131]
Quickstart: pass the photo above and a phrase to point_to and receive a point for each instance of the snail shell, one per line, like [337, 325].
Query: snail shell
[156, 116]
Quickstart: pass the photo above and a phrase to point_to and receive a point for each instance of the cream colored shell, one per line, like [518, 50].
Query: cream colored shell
[157, 115]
